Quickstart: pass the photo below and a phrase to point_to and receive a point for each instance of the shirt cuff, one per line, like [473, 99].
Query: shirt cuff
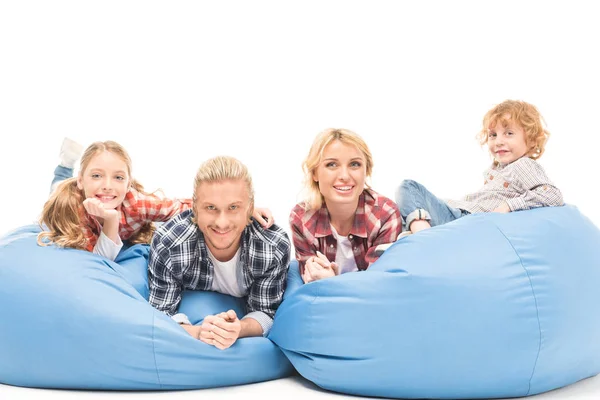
[516, 204]
[107, 248]
[181, 318]
[263, 319]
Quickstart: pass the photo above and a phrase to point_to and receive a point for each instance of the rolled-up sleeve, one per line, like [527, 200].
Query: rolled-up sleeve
[266, 292]
[165, 284]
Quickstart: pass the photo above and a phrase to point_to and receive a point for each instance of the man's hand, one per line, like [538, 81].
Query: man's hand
[193, 330]
[221, 330]
[94, 207]
[502, 208]
[264, 217]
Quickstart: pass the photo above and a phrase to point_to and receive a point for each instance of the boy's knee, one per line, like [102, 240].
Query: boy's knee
[406, 186]
[409, 184]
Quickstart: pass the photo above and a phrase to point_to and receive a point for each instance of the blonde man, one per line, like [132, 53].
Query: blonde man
[217, 246]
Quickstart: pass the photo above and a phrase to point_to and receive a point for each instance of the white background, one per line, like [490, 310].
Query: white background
[179, 82]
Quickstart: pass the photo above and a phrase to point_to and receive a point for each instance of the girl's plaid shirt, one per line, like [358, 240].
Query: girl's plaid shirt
[137, 210]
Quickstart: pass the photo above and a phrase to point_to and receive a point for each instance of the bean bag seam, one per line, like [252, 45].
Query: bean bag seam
[536, 310]
[154, 351]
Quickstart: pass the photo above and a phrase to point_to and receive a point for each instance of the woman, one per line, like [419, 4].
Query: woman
[341, 220]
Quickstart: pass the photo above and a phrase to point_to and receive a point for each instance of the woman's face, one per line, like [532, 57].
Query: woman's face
[341, 173]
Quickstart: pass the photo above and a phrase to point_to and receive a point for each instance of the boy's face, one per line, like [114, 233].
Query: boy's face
[507, 144]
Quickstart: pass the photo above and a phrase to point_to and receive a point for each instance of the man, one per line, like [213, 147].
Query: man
[216, 246]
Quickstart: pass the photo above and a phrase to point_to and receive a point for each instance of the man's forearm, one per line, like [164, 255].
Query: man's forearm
[250, 328]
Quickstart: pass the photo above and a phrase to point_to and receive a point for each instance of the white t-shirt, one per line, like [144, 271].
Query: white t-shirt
[225, 279]
[107, 248]
[344, 256]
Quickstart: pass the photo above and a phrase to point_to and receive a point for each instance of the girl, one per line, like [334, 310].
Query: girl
[341, 221]
[515, 137]
[103, 205]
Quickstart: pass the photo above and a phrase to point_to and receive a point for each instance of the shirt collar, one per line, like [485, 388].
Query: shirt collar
[359, 226]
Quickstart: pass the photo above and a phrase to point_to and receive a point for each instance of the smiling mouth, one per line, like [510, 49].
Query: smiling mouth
[104, 198]
[343, 188]
[220, 233]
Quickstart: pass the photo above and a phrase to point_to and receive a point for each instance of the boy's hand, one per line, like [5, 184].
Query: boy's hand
[503, 208]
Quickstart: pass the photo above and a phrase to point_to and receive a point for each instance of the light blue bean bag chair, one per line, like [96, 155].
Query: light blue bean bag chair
[71, 319]
[491, 305]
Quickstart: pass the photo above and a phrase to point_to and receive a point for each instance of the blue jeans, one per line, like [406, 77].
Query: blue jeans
[414, 201]
[60, 174]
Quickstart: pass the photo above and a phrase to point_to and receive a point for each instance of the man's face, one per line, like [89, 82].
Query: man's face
[222, 210]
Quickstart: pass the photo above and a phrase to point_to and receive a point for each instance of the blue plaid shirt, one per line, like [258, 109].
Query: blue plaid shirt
[179, 260]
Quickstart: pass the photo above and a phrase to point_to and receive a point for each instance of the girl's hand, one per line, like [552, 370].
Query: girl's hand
[95, 207]
[264, 217]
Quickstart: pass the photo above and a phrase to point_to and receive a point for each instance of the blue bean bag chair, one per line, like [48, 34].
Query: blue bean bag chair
[71, 319]
[491, 305]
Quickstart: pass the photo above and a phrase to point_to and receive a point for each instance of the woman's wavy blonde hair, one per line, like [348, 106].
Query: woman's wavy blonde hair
[62, 213]
[313, 199]
[223, 168]
[524, 114]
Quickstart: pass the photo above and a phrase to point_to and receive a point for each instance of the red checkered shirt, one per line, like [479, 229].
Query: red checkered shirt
[137, 210]
[377, 221]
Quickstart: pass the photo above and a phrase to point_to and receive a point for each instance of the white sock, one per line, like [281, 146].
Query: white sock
[70, 152]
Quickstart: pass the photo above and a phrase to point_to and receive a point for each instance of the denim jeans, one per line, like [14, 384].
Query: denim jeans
[60, 174]
[412, 197]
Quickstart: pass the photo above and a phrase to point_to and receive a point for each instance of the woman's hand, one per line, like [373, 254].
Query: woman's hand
[319, 267]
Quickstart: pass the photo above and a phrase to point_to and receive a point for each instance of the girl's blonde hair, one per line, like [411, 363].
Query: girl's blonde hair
[62, 213]
[313, 198]
[219, 169]
[524, 114]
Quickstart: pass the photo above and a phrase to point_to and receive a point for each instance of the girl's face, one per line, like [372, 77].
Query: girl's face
[507, 144]
[105, 178]
[341, 173]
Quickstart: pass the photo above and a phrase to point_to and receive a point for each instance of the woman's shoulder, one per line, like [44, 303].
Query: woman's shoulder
[301, 210]
[377, 200]
[303, 216]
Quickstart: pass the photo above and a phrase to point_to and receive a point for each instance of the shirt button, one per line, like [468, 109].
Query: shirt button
[349, 236]
[491, 177]
[331, 246]
[505, 184]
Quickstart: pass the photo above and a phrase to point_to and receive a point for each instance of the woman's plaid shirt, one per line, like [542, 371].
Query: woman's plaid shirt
[377, 221]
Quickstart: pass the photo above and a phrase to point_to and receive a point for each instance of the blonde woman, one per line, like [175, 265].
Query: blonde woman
[341, 221]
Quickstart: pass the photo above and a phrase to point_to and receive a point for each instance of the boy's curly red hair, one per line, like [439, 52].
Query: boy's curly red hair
[524, 114]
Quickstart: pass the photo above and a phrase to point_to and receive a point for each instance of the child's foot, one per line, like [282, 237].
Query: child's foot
[70, 152]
